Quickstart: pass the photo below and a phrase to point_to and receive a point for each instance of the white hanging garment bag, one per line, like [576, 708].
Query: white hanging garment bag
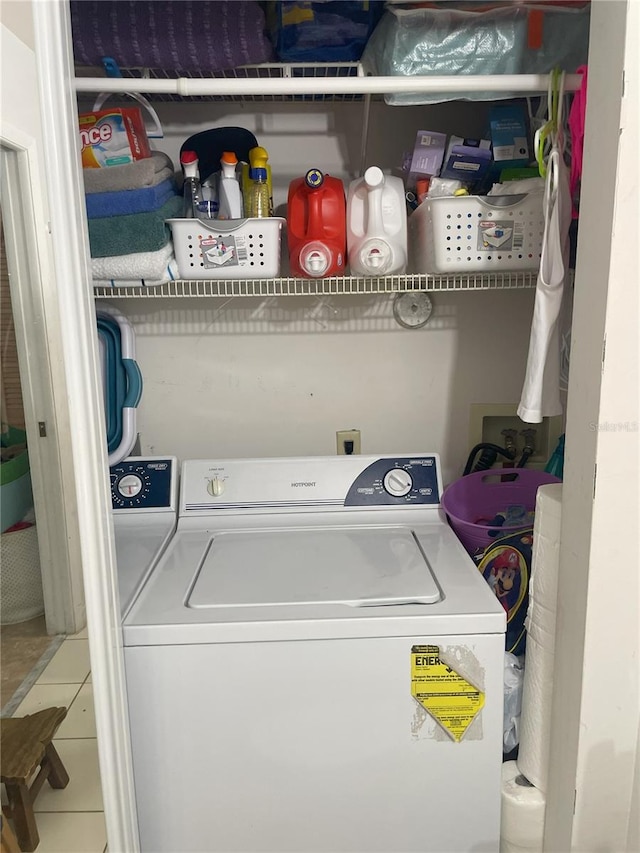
[541, 391]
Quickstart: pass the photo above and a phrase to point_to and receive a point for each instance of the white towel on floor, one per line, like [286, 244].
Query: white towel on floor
[541, 390]
[130, 269]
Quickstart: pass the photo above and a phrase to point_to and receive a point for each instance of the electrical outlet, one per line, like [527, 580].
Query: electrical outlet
[347, 442]
[498, 423]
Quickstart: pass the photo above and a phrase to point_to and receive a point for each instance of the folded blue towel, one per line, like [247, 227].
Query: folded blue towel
[136, 232]
[124, 202]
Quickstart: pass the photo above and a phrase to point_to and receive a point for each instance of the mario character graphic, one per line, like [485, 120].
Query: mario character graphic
[505, 568]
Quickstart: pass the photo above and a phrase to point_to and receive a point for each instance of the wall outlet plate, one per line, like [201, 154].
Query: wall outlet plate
[487, 420]
[343, 436]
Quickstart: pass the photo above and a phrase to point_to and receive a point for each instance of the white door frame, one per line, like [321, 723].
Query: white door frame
[29, 261]
[595, 709]
[74, 325]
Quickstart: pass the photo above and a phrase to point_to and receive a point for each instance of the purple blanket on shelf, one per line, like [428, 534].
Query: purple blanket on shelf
[172, 35]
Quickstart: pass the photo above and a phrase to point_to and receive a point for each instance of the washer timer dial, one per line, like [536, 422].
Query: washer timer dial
[398, 482]
[129, 486]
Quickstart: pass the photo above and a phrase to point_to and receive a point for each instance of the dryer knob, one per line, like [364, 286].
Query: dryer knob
[398, 482]
[215, 487]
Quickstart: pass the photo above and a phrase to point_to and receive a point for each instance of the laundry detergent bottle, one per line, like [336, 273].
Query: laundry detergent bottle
[316, 225]
[376, 224]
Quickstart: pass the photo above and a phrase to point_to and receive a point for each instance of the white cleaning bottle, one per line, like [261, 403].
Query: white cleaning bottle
[376, 225]
[229, 195]
[191, 189]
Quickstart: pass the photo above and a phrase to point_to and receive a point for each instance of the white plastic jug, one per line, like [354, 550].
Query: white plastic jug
[376, 225]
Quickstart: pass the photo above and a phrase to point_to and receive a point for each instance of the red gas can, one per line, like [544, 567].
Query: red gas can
[316, 225]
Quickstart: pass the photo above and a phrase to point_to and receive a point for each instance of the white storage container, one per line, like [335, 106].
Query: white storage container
[21, 593]
[477, 234]
[376, 224]
[229, 249]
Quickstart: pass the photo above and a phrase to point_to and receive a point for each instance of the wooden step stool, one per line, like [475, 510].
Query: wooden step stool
[25, 746]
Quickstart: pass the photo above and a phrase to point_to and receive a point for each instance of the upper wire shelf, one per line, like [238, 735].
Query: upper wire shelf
[303, 82]
[268, 71]
[338, 286]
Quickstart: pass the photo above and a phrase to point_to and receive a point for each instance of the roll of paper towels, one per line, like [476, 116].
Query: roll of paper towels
[523, 806]
[537, 691]
[535, 724]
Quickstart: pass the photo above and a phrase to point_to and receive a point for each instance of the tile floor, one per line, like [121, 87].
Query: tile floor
[70, 820]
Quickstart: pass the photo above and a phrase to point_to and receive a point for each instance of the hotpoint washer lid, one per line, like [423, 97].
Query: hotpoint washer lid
[354, 566]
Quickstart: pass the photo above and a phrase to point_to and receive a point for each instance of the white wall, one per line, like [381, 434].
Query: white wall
[17, 16]
[279, 377]
[325, 135]
[35, 308]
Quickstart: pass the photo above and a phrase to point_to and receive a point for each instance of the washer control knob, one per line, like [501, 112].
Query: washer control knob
[398, 482]
[129, 486]
[215, 487]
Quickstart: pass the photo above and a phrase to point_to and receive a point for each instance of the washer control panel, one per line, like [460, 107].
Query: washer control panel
[145, 484]
[313, 483]
[389, 482]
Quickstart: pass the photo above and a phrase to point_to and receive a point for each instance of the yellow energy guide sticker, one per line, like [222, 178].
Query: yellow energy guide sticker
[449, 698]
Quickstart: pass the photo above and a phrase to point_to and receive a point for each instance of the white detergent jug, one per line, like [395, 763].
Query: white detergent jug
[376, 225]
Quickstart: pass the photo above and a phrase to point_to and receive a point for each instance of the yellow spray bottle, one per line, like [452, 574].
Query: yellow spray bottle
[252, 189]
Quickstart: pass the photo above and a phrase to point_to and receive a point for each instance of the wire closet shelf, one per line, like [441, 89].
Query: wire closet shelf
[339, 286]
[300, 82]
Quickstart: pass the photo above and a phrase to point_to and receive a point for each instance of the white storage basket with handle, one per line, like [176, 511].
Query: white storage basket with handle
[477, 234]
[227, 248]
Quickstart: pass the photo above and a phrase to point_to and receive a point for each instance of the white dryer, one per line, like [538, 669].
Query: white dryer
[144, 501]
[315, 666]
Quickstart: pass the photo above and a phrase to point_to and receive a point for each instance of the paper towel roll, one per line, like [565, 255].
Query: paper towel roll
[522, 820]
[543, 585]
[543, 620]
[535, 723]
[537, 692]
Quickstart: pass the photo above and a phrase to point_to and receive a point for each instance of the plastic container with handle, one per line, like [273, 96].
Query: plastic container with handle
[376, 224]
[316, 225]
[122, 381]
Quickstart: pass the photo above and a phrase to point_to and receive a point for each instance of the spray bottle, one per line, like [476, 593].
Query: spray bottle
[229, 195]
[191, 189]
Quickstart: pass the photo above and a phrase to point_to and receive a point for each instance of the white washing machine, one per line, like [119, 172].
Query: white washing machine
[144, 502]
[315, 665]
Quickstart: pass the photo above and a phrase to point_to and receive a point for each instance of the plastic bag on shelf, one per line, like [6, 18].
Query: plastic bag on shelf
[504, 39]
[513, 682]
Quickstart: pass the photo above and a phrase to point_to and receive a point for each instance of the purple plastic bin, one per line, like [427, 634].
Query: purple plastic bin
[483, 495]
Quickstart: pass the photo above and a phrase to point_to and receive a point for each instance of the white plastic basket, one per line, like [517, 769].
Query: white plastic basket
[21, 594]
[477, 233]
[227, 248]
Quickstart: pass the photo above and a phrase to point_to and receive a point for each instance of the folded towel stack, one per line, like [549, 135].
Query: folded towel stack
[127, 207]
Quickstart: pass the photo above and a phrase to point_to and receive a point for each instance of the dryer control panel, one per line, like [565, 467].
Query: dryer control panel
[311, 483]
[144, 484]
